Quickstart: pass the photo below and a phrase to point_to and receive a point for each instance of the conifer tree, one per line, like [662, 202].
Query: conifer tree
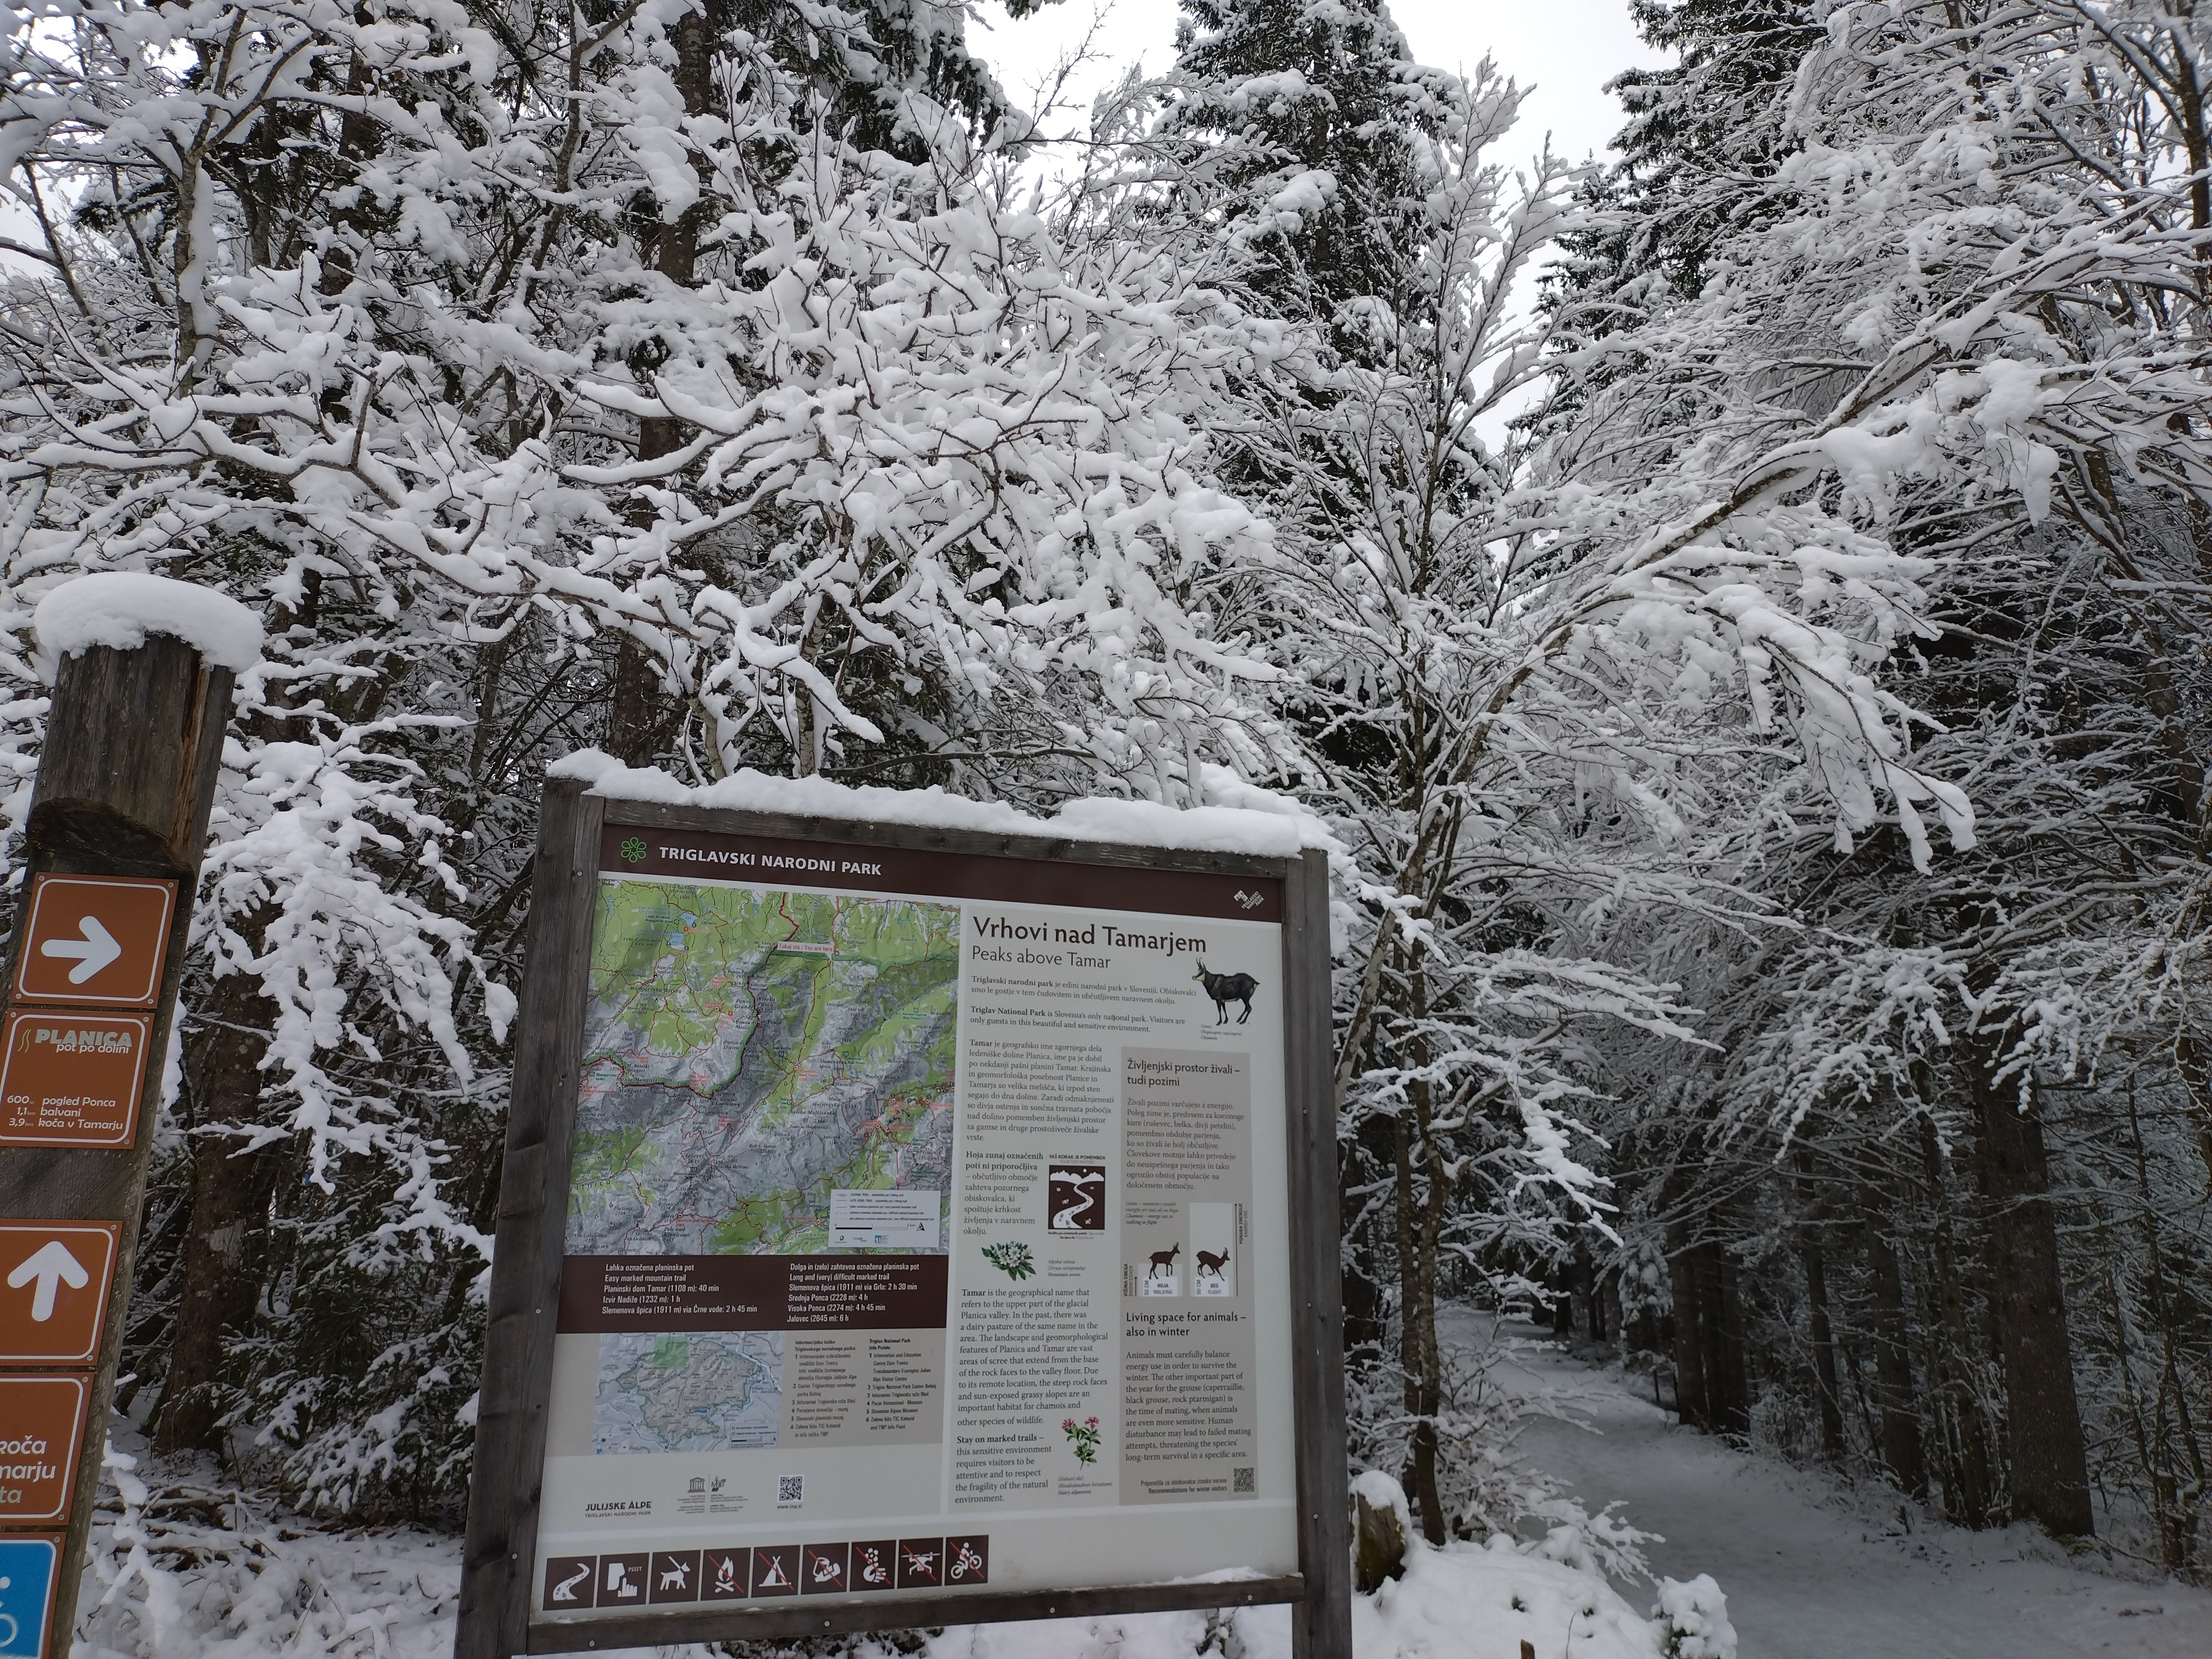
[1309, 114]
[1705, 132]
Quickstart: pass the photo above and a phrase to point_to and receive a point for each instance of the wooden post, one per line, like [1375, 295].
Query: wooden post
[1320, 1627]
[502, 1534]
[133, 741]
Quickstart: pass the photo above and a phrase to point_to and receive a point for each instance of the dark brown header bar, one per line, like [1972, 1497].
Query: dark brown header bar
[633, 849]
[669, 1293]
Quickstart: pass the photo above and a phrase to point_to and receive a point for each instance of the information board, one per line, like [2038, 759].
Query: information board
[929, 1232]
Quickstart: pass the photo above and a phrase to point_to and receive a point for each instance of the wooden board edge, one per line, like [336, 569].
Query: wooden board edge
[1051, 850]
[500, 1543]
[849, 1614]
[1322, 1626]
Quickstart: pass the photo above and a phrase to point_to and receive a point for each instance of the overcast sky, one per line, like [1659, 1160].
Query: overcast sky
[1567, 49]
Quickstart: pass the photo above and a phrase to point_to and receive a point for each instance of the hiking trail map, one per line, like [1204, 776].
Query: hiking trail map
[920, 1228]
[747, 1052]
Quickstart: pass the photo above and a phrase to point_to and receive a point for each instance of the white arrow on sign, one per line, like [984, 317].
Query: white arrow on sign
[51, 1263]
[94, 951]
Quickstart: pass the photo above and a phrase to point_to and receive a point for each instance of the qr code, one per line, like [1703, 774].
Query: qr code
[1241, 1481]
[790, 1489]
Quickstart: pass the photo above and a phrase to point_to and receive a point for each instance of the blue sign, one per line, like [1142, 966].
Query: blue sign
[26, 1583]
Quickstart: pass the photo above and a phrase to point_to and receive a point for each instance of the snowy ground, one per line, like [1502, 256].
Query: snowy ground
[193, 1573]
[1812, 1571]
[189, 1570]
[183, 1567]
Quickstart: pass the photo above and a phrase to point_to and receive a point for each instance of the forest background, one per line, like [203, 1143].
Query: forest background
[1739, 611]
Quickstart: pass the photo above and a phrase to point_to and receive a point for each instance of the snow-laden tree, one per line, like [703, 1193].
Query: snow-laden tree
[1960, 314]
[1704, 133]
[1308, 124]
[248, 344]
[362, 315]
[941, 506]
[1525, 699]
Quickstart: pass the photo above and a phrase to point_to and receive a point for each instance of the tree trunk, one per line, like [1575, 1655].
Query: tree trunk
[229, 1226]
[639, 716]
[1366, 1308]
[1586, 1291]
[226, 1233]
[1710, 1366]
[1823, 1347]
[1968, 1486]
[1901, 1449]
[2042, 1416]
[1416, 1322]
[1726, 1363]
[1689, 1402]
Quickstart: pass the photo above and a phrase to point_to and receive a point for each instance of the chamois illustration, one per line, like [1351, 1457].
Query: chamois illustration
[1209, 1263]
[1163, 1261]
[1225, 988]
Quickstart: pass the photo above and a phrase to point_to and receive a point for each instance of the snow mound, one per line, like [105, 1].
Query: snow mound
[1694, 1619]
[121, 608]
[1250, 1632]
[179, 1567]
[1472, 1602]
[1260, 822]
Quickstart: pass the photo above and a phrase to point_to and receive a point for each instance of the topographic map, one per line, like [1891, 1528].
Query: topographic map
[746, 1054]
[697, 1392]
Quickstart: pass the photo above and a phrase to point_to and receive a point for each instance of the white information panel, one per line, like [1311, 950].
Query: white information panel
[927, 1231]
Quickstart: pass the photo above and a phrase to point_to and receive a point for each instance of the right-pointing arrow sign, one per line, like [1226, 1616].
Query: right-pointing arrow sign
[94, 951]
[49, 1265]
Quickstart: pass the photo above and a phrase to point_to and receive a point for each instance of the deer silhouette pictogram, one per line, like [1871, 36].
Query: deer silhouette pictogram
[1225, 988]
[1165, 1261]
[1209, 1263]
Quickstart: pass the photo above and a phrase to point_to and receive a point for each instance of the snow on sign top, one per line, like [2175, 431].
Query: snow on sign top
[121, 608]
[1263, 824]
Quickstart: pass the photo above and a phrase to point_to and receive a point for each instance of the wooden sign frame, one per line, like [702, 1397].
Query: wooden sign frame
[499, 1561]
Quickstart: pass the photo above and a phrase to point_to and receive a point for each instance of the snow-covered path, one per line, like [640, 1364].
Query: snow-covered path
[1812, 1571]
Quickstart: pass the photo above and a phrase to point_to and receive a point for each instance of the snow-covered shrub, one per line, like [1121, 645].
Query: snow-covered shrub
[1693, 1619]
[1474, 1601]
[181, 1567]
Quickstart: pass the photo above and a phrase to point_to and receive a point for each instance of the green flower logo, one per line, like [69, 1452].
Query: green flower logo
[634, 849]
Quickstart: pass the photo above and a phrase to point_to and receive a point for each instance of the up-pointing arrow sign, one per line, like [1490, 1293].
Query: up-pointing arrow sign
[50, 1265]
[65, 1267]
[94, 951]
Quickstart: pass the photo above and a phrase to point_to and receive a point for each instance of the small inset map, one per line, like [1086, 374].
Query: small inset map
[698, 1392]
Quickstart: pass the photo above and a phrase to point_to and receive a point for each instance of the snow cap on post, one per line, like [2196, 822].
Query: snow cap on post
[121, 608]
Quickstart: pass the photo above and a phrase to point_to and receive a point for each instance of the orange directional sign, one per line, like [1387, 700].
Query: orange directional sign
[53, 1290]
[95, 941]
[69, 1078]
[41, 1423]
